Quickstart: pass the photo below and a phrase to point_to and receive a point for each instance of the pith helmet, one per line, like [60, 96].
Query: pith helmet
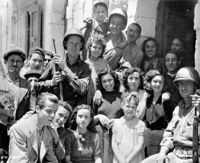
[76, 32]
[188, 73]
[119, 11]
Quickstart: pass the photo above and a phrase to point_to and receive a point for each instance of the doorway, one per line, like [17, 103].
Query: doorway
[175, 18]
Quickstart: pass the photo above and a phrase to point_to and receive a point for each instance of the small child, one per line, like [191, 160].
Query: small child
[83, 142]
[128, 133]
[60, 122]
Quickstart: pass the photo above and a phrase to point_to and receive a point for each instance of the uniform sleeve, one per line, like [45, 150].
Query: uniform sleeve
[97, 151]
[18, 151]
[169, 131]
[79, 84]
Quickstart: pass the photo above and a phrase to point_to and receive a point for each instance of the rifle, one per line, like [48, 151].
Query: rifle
[195, 135]
[58, 69]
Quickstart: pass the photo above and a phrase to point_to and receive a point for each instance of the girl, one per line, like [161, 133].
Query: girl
[82, 143]
[132, 81]
[108, 109]
[151, 59]
[96, 46]
[128, 133]
[154, 115]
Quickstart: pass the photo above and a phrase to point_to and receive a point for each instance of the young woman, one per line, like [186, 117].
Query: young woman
[108, 109]
[132, 81]
[154, 115]
[82, 145]
[151, 59]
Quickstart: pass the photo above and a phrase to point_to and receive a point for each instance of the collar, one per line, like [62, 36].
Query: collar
[172, 75]
[78, 61]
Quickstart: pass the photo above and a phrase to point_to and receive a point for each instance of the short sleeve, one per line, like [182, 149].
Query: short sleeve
[97, 151]
[141, 128]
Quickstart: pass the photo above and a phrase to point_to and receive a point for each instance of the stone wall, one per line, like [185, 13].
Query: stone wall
[197, 28]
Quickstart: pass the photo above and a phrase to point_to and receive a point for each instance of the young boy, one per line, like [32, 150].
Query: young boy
[128, 133]
[115, 40]
[35, 61]
[132, 53]
[60, 119]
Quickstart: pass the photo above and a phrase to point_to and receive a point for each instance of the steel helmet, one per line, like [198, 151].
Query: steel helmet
[100, 2]
[188, 73]
[121, 12]
[73, 31]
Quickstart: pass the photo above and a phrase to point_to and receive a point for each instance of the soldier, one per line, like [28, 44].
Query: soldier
[76, 73]
[177, 143]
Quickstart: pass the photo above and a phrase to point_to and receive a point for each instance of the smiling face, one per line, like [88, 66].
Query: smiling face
[133, 33]
[96, 50]
[171, 62]
[150, 49]
[83, 118]
[14, 64]
[133, 81]
[116, 24]
[100, 13]
[157, 83]
[107, 82]
[73, 45]
[186, 88]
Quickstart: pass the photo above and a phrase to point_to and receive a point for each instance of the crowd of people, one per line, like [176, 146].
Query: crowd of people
[105, 101]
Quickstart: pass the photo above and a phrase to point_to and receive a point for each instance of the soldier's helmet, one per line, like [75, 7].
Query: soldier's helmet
[189, 74]
[76, 32]
[120, 12]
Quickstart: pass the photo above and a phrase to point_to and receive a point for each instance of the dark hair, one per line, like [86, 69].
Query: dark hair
[37, 50]
[138, 26]
[68, 107]
[47, 96]
[100, 4]
[73, 117]
[131, 71]
[148, 78]
[144, 44]
[97, 39]
[48, 53]
[114, 76]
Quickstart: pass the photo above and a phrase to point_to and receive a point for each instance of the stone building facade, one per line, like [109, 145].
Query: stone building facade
[27, 23]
